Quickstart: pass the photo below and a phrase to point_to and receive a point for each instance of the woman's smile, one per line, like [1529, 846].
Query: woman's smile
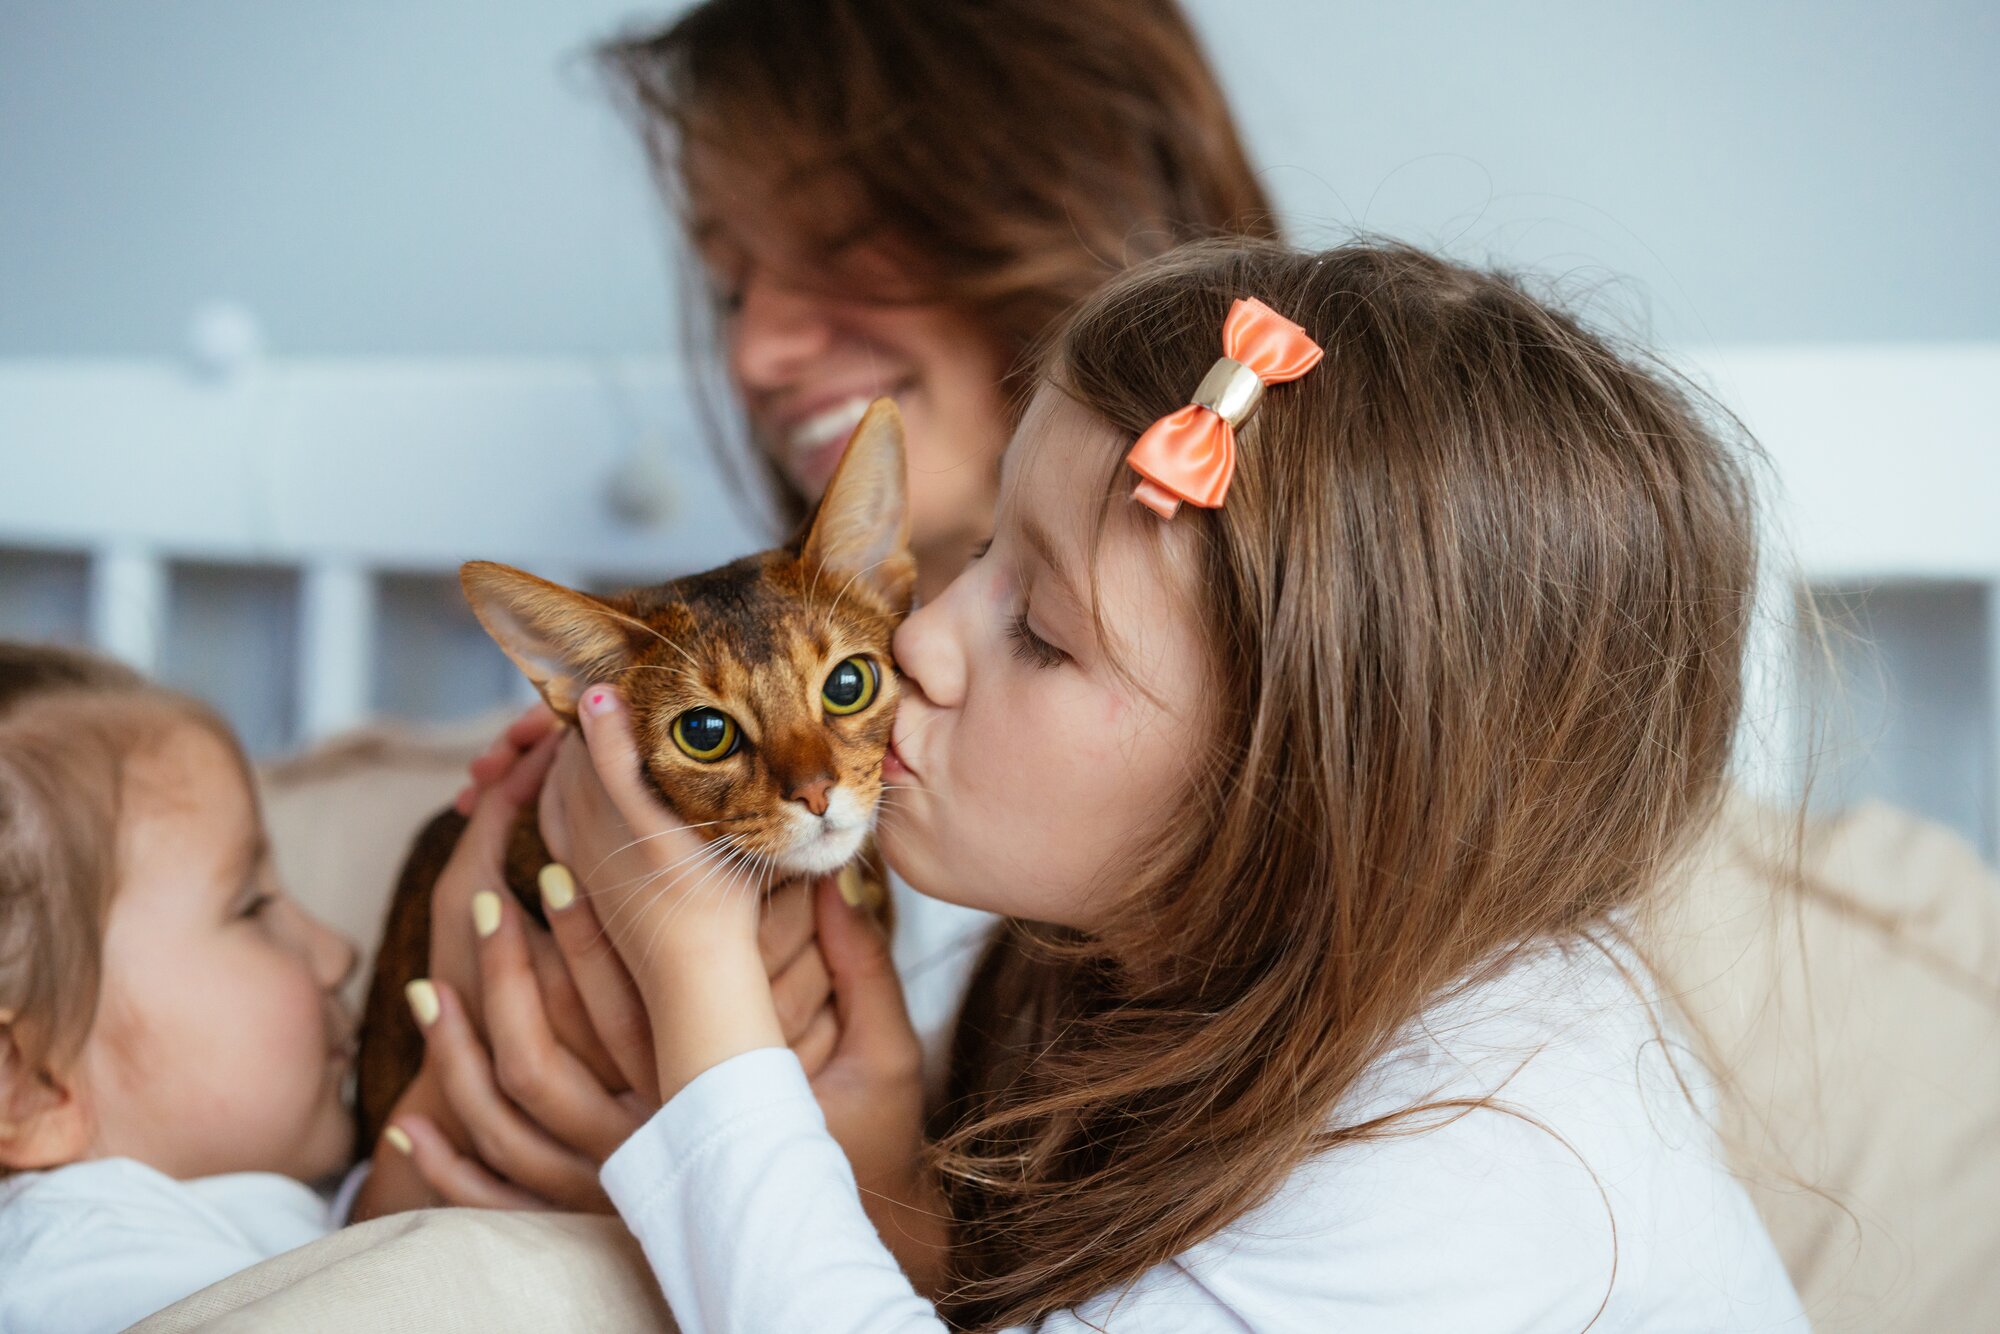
[814, 436]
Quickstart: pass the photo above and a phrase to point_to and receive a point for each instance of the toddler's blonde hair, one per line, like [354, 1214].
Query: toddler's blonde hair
[69, 724]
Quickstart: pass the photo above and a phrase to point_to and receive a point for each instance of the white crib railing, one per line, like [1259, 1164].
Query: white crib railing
[342, 473]
[316, 509]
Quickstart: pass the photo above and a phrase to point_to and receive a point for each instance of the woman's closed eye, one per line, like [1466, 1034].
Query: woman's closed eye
[1031, 647]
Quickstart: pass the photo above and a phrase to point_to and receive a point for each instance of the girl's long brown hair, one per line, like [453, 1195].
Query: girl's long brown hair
[1014, 154]
[1478, 601]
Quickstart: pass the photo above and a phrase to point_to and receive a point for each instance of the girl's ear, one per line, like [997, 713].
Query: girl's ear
[562, 640]
[861, 531]
[44, 1119]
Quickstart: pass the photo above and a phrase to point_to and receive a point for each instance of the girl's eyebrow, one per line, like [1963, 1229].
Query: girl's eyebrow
[1044, 547]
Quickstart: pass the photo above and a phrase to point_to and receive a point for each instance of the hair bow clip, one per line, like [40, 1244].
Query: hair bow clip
[1190, 454]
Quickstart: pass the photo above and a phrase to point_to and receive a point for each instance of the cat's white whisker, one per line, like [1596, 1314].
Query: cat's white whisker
[707, 853]
[698, 890]
[653, 873]
[647, 838]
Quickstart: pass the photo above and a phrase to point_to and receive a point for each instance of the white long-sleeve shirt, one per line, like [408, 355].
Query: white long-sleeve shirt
[97, 1245]
[1501, 1219]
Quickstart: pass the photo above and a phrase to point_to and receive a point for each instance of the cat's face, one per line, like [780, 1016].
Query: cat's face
[761, 692]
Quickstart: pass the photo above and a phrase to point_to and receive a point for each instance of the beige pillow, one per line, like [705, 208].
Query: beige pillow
[1858, 1015]
[439, 1271]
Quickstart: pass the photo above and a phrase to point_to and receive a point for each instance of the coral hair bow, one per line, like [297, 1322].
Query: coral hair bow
[1190, 454]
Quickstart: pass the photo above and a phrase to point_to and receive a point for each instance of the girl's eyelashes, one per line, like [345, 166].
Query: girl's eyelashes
[979, 552]
[1031, 647]
[254, 906]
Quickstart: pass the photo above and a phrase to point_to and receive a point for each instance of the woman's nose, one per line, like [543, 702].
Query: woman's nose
[929, 655]
[776, 333]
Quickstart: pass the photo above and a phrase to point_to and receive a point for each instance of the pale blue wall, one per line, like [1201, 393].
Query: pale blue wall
[424, 176]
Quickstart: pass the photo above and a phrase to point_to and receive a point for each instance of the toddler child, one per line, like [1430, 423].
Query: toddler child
[173, 1044]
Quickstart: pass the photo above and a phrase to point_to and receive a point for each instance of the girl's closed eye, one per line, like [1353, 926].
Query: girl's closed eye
[1031, 647]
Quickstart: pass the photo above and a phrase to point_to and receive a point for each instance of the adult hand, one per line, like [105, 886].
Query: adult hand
[477, 864]
[518, 1160]
[871, 1090]
[539, 1121]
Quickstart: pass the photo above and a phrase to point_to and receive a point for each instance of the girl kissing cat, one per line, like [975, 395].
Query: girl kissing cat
[1320, 742]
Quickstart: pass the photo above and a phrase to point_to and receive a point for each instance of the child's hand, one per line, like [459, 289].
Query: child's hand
[679, 910]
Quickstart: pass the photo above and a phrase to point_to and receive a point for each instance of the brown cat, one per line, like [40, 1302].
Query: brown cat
[761, 692]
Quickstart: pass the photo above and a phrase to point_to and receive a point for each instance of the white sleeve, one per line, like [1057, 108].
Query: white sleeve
[749, 1214]
[103, 1274]
[750, 1218]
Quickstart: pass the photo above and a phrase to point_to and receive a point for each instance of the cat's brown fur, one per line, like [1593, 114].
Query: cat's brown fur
[755, 639]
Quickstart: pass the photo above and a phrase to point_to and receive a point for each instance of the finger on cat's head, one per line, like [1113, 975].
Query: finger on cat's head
[560, 639]
[862, 527]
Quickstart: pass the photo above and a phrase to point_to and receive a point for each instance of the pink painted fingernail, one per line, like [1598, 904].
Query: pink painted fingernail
[597, 701]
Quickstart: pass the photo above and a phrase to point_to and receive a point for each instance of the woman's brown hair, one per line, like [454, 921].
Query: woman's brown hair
[1478, 602]
[1011, 154]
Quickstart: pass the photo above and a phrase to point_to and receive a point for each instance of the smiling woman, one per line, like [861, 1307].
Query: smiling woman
[899, 197]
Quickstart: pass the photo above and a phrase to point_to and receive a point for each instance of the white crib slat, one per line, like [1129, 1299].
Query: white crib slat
[128, 603]
[1993, 719]
[336, 647]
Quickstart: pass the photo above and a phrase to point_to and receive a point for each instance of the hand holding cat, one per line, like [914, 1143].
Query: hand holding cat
[871, 1089]
[540, 1122]
[475, 865]
[681, 913]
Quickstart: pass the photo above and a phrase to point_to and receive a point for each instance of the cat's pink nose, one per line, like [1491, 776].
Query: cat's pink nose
[813, 793]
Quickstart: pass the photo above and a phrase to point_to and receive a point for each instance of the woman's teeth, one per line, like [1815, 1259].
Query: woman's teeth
[829, 425]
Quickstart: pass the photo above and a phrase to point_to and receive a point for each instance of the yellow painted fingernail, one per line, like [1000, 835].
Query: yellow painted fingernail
[397, 1140]
[485, 913]
[852, 892]
[558, 886]
[423, 998]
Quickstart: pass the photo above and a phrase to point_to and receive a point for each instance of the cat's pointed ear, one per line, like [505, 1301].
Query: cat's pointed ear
[862, 528]
[562, 640]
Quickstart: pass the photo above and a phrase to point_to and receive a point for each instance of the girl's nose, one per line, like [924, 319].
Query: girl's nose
[929, 655]
[776, 333]
[333, 956]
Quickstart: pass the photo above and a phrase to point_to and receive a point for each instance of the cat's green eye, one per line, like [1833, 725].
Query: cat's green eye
[705, 734]
[850, 687]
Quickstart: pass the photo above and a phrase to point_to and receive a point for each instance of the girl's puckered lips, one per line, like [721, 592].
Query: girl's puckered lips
[894, 768]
